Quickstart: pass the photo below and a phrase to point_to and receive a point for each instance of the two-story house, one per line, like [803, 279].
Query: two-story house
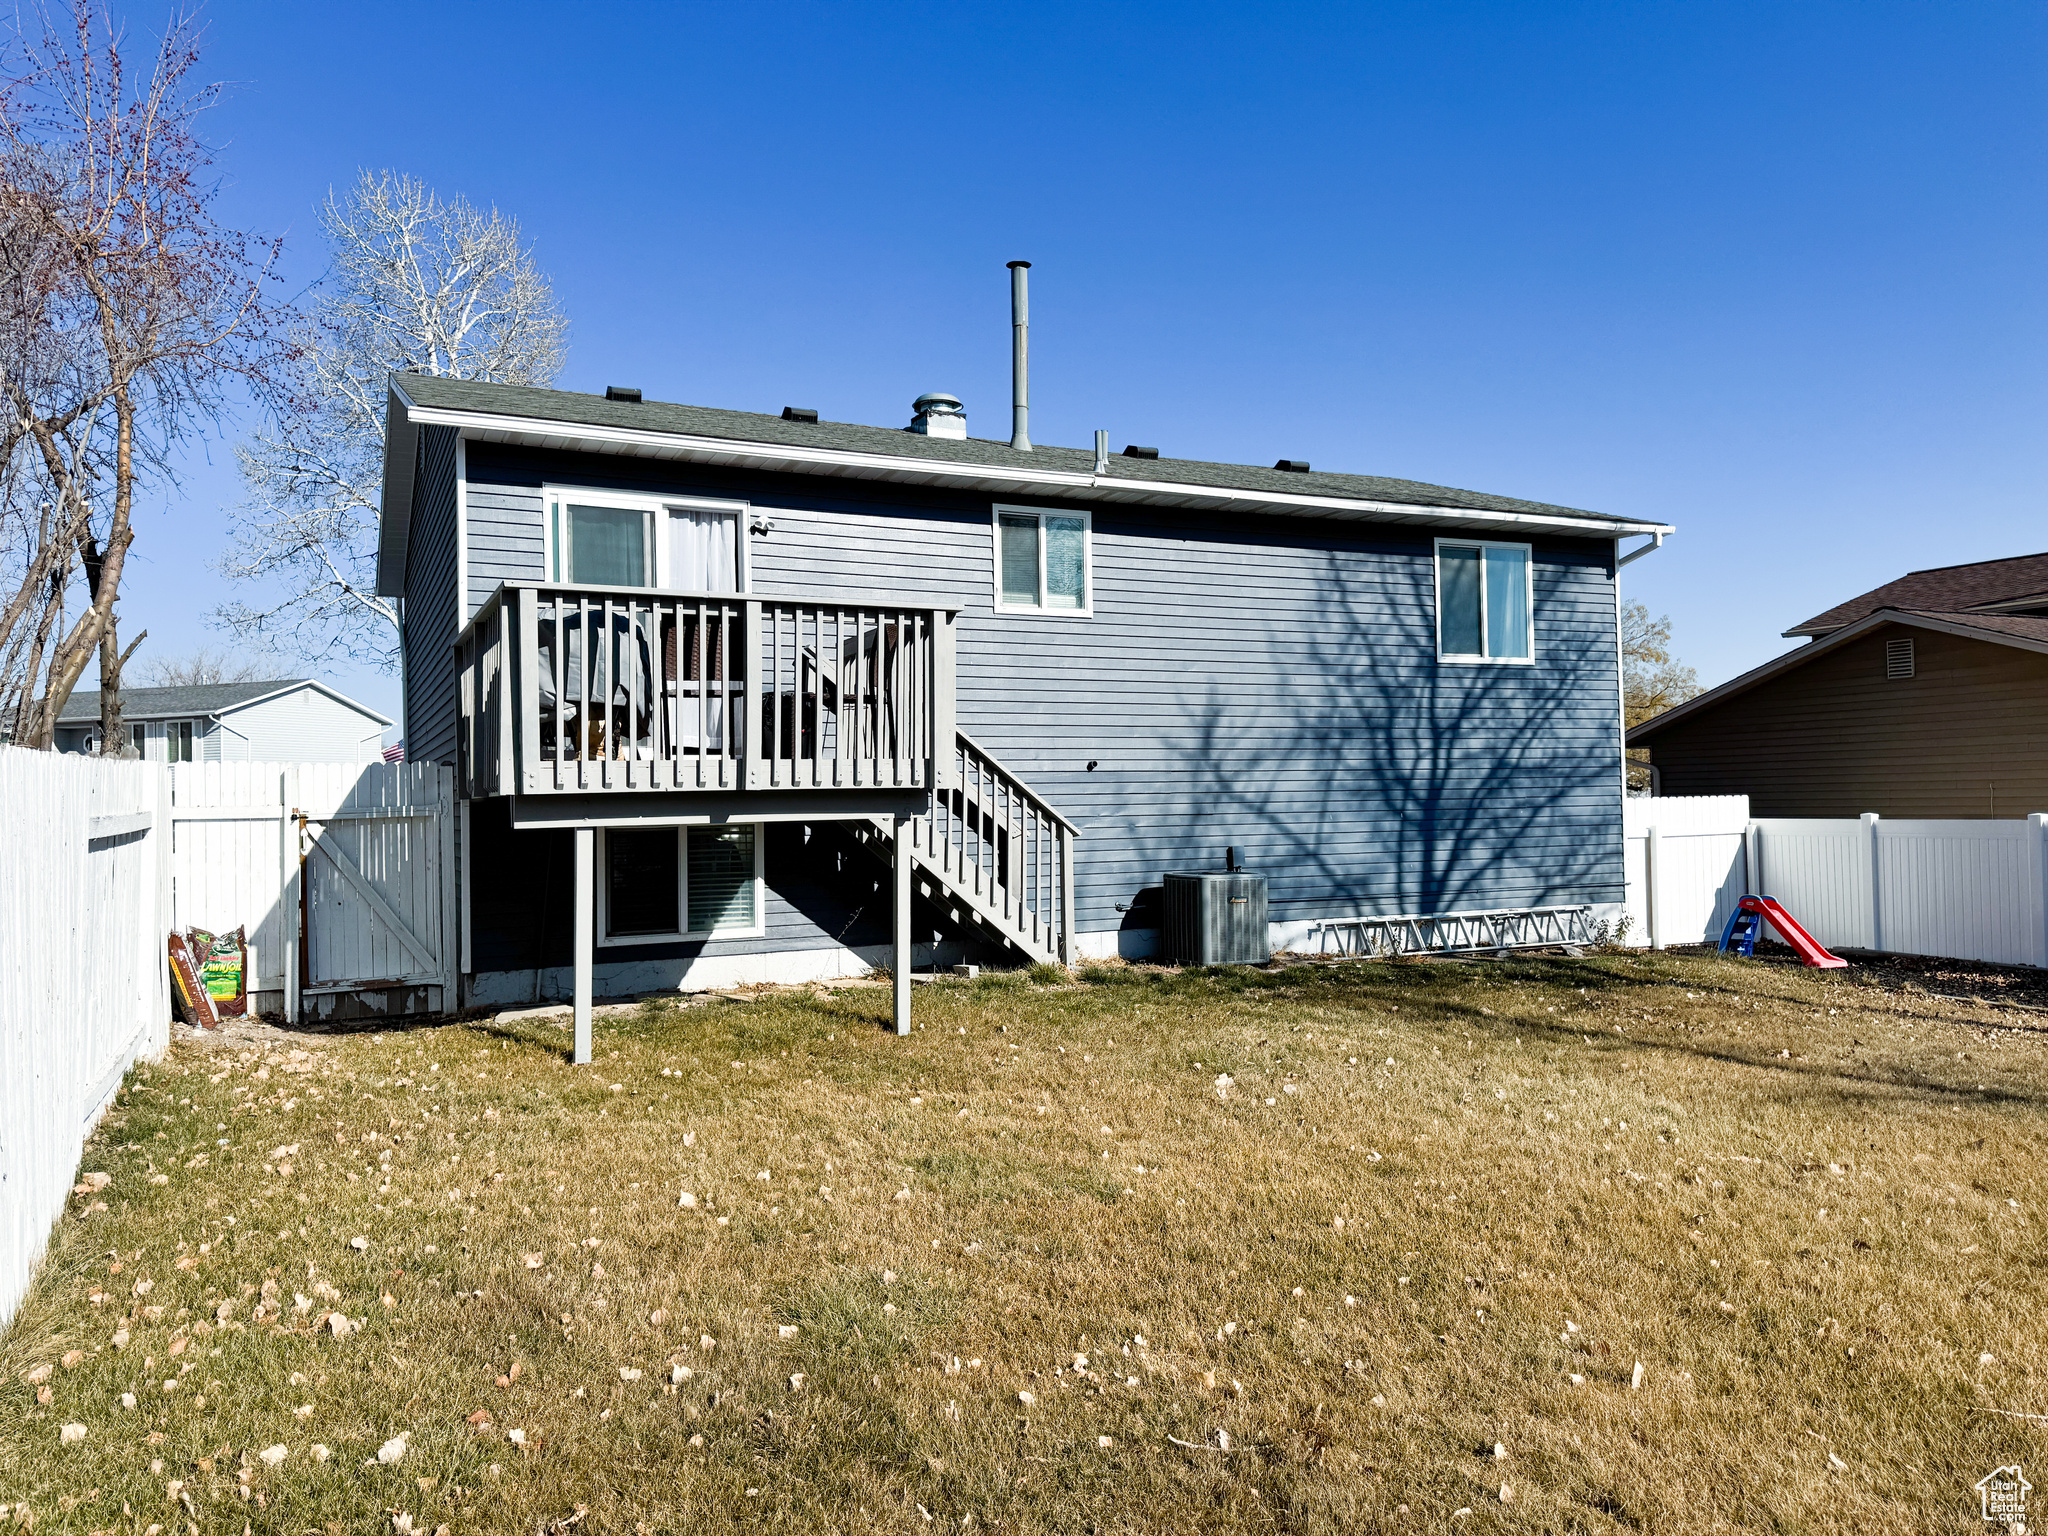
[737, 696]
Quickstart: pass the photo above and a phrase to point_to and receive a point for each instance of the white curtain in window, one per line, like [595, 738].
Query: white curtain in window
[703, 550]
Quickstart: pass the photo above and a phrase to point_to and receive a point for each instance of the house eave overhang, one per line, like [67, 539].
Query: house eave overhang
[1835, 639]
[394, 521]
[985, 479]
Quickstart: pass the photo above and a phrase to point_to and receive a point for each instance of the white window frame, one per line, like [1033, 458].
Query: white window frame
[1039, 609]
[603, 937]
[1529, 598]
[656, 508]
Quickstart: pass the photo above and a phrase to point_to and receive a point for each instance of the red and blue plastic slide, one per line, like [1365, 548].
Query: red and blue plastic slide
[1749, 916]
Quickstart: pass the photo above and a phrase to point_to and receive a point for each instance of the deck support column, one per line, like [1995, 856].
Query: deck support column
[585, 906]
[899, 914]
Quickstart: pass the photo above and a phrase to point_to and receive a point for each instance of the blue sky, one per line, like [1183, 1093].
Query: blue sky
[1771, 273]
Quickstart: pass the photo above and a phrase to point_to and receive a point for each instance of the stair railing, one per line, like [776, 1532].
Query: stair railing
[994, 840]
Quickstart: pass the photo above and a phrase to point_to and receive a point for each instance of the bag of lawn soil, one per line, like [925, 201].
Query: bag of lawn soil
[224, 967]
[188, 992]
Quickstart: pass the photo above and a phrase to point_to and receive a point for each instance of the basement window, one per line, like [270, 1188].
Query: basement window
[668, 883]
[1483, 601]
[1042, 561]
[1898, 657]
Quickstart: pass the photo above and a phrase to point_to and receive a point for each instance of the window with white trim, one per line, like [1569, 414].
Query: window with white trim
[1484, 597]
[1043, 561]
[661, 883]
[614, 539]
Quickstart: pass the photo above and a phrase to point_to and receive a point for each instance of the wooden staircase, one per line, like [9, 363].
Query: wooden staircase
[996, 854]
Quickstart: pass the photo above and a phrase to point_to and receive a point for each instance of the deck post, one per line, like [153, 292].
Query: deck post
[586, 900]
[1068, 953]
[899, 914]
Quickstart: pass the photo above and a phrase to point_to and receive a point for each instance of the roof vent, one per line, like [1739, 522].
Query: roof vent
[1293, 466]
[1133, 451]
[620, 392]
[938, 415]
[798, 413]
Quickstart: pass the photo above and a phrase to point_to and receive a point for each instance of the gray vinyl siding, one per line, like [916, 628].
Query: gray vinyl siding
[506, 540]
[430, 603]
[1264, 683]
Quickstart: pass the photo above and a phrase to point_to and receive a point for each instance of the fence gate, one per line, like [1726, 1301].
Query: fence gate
[377, 930]
[342, 874]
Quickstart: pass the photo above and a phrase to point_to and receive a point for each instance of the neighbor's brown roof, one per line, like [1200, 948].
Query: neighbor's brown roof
[2021, 626]
[1947, 589]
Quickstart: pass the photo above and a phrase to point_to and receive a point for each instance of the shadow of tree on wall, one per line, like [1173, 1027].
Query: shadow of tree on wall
[1370, 785]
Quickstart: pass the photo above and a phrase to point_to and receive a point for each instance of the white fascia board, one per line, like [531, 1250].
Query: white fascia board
[1001, 481]
[1809, 652]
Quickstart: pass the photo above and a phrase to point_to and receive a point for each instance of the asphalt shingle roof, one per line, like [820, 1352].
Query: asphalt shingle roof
[83, 707]
[563, 407]
[1947, 590]
[2021, 626]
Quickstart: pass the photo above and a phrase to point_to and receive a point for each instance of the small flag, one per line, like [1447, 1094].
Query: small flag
[395, 753]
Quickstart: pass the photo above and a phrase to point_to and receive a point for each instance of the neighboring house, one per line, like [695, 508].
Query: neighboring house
[1926, 698]
[705, 660]
[293, 720]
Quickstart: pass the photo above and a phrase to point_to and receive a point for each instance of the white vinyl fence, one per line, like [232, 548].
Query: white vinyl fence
[1970, 890]
[1685, 864]
[1966, 890]
[100, 860]
[84, 982]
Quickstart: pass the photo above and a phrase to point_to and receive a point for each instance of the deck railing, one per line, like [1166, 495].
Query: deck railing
[572, 689]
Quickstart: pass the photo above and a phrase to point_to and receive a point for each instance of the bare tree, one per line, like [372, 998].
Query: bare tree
[204, 665]
[418, 285]
[1651, 681]
[125, 310]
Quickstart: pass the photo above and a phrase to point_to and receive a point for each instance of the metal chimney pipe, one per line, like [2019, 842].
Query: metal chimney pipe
[1020, 357]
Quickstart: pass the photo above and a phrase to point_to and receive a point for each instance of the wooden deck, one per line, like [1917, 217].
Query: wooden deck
[571, 689]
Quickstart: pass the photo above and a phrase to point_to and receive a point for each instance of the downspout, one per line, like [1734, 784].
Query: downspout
[1621, 660]
[1656, 543]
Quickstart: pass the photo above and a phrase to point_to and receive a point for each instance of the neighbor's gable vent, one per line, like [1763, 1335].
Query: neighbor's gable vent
[1898, 657]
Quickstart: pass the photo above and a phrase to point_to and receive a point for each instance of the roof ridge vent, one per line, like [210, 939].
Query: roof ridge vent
[799, 413]
[1292, 466]
[622, 393]
[1133, 451]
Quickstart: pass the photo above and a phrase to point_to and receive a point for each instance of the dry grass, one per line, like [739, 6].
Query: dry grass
[1803, 1203]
